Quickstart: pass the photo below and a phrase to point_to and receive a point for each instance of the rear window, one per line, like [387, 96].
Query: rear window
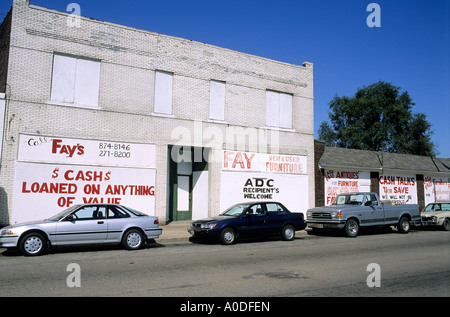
[114, 212]
[274, 209]
[135, 212]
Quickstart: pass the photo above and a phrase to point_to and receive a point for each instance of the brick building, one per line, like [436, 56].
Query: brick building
[94, 111]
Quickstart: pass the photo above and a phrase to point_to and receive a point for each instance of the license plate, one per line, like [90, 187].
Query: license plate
[316, 225]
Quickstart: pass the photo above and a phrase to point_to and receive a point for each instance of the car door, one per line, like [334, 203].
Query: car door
[87, 224]
[254, 221]
[276, 217]
[373, 211]
[117, 221]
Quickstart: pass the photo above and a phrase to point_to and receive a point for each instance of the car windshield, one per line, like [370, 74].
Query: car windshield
[235, 210]
[348, 199]
[437, 207]
[62, 214]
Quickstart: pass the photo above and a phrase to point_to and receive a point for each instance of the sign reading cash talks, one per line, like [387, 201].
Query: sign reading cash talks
[55, 173]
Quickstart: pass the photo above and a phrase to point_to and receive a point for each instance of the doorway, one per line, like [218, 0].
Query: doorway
[187, 182]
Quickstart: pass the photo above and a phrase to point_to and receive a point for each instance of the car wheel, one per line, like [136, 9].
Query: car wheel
[403, 225]
[228, 236]
[288, 233]
[32, 244]
[133, 239]
[351, 228]
[446, 224]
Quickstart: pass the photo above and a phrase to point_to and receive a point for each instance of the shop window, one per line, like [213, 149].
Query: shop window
[278, 109]
[75, 81]
[163, 93]
[217, 100]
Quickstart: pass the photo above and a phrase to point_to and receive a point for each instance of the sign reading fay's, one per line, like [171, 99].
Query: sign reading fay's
[88, 152]
[55, 173]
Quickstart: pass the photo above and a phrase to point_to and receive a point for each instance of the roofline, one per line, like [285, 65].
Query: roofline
[381, 169]
[306, 65]
[415, 171]
[321, 166]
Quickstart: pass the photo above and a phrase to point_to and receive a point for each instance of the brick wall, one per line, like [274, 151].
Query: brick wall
[129, 59]
[319, 180]
[5, 30]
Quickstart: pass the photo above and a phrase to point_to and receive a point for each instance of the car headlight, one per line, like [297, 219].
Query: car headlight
[6, 232]
[208, 225]
[336, 214]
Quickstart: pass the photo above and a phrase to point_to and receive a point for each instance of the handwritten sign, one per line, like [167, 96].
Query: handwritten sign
[339, 182]
[437, 188]
[400, 189]
[239, 187]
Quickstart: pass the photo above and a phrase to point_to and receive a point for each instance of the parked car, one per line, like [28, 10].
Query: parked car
[436, 214]
[351, 211]
[256, 219]
[83, 224]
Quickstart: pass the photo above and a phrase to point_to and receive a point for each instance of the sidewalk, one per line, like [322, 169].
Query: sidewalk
[175, 232]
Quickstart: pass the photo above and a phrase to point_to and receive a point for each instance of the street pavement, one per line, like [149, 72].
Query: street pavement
[312, 265]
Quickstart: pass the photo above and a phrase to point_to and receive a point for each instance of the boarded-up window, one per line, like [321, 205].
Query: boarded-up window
[75, 81]
[278, 109]
[163, 93]
[217, 100]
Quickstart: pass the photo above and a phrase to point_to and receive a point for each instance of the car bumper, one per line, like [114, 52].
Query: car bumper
[428, 222]
[301, 226]
[153, 233]
[198, 234]
[9, 241]
[332, 224]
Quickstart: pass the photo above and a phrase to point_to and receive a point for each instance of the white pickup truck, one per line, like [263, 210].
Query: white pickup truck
[351, 211]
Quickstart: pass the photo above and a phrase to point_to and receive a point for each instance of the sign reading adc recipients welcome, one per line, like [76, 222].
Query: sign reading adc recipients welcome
[248, 176]
[53, 174]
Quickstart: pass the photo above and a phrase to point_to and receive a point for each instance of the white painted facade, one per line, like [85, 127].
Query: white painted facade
[103, 83]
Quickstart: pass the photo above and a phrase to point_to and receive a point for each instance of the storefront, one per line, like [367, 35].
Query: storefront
[247, 176]
[55, 173]
[397, 178]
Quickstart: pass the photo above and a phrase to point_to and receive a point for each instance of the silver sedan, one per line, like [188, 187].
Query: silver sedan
[83, 224]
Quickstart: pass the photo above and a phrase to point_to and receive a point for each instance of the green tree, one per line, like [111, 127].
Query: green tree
[377, 118]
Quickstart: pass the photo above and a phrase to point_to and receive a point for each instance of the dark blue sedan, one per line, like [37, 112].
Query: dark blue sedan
[257, 219]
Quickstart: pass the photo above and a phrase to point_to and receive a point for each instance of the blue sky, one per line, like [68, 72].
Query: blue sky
[411, 49]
